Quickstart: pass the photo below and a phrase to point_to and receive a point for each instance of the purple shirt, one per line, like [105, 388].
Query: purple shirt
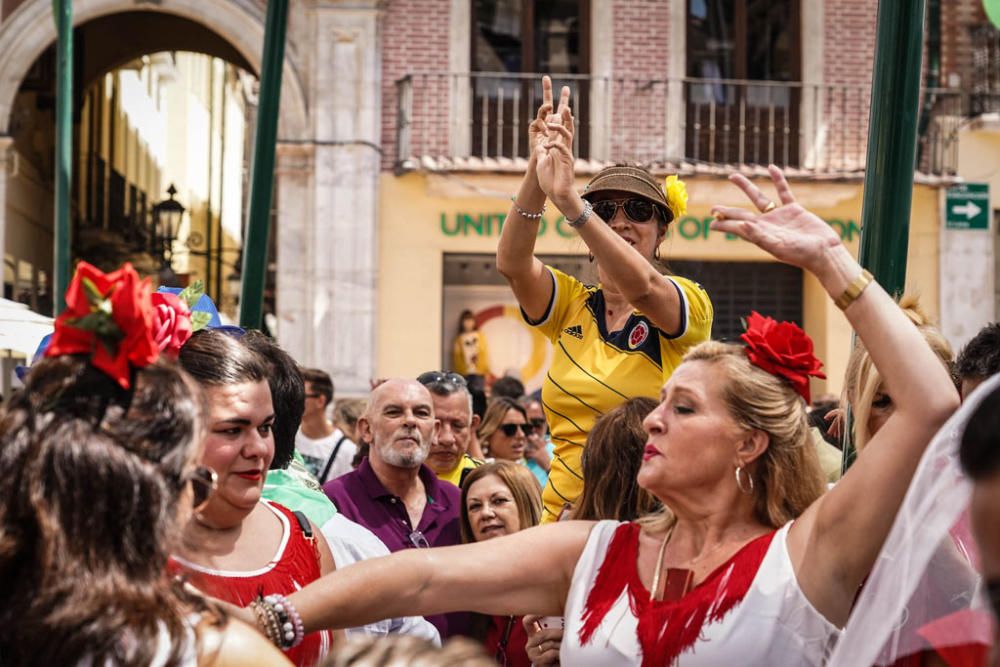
[362, 498]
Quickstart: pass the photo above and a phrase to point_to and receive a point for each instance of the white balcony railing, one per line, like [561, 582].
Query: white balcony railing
[451, 121]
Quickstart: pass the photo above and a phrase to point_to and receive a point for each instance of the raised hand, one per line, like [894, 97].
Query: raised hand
[537, 132]
[787, 231]
[554, 155]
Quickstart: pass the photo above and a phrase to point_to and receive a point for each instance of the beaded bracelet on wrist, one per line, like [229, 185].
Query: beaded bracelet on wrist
[279, 620]
[527, 214]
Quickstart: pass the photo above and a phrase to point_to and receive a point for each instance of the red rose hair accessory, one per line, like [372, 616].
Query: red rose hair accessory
[173, 320]
[782, 349]
[110, 317]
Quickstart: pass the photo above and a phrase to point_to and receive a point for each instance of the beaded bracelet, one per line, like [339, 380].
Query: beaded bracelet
[527, 214]
[278, 618]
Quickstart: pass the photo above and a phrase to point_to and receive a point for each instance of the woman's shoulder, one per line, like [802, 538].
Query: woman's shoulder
[234, 643]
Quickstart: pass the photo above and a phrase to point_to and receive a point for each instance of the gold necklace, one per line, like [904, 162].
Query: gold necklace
[690, 572]
[659, 562]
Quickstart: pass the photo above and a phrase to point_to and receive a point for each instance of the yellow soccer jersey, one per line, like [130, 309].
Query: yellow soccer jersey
[594, 370]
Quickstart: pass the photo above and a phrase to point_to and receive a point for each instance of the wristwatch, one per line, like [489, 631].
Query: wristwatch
[588, 208]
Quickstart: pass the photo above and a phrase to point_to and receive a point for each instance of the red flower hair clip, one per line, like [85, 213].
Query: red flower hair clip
[174, 320]
[782, 349]
[110, 317]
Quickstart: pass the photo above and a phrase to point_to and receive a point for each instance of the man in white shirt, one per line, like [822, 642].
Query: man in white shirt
[325, 449]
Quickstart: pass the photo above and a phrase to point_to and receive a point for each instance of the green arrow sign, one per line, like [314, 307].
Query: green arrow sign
[967, 206]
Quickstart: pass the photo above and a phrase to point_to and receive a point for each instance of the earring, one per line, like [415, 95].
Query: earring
[656, 253]
[590, 256]
[739, 481]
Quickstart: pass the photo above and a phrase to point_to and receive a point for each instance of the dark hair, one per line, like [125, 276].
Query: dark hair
[321, 382]
[980, 358]
[817, 420]
[611, 461]
[88, 500]
[476, 384]
[288, 395]
[466, 315]
[508, 386]
[980, 448]
[445, 388]
[215, 358]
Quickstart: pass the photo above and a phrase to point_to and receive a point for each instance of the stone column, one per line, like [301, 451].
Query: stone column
[294, 184]
[327, 270]
[6, 160]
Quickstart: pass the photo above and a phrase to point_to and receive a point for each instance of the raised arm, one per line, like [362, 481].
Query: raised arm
[633, 275]
[530, 281]
[488, 577]
[834, 544]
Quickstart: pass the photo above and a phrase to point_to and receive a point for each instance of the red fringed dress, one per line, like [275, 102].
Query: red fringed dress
[749, 611]
[295, 564]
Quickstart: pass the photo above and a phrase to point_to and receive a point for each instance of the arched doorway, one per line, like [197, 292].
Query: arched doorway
[231, 32]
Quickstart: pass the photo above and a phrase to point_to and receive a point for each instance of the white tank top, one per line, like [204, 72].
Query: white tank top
[774, 624]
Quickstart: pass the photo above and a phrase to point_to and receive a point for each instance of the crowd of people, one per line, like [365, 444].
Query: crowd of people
[179, 492]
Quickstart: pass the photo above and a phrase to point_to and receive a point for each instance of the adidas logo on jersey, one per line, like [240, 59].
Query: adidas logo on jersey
[574, 331]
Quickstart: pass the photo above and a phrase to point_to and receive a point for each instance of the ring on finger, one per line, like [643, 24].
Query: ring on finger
[770, 207]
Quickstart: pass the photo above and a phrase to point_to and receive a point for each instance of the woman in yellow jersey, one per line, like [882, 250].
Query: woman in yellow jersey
[621, 339]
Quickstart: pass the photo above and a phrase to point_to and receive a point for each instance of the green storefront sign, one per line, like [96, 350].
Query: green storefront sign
[967, 206]
[688, 228]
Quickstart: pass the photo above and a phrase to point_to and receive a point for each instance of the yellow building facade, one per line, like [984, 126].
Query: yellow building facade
[425, 218]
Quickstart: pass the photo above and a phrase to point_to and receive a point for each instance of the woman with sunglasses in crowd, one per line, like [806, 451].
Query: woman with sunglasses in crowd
[500, 498]
[505, 430]
[99, 453]
[617, 340]
[241, 548]
[752, 561]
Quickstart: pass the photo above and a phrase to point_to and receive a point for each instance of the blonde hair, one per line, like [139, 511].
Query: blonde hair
[523, 487]
[787, 476]
[863, 380]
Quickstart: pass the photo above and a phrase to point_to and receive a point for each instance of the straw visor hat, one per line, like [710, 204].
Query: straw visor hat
[634, 180]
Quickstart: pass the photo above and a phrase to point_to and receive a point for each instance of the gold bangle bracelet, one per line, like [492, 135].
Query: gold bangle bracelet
[854, 290]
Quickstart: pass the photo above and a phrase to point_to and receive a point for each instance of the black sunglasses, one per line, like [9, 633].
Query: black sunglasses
[538, 422]
[510, 429]
[636, 209]
[203, 481]
[434, 377]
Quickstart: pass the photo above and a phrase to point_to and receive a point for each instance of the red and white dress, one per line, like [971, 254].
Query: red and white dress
[749, 611]
[294, 565]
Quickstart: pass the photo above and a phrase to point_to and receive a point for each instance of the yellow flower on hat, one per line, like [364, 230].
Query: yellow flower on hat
[677, 195]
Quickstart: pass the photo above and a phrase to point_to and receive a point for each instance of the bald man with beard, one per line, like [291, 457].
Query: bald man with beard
[392, 492]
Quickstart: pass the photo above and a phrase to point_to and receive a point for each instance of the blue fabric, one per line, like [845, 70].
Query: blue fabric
[540, 473]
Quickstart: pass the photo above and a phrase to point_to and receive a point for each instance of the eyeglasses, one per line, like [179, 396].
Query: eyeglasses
[636, 209]
[313, 395]
[434, 377]
[418, 540]
[538, 423]
[510, 429]
[203, 481]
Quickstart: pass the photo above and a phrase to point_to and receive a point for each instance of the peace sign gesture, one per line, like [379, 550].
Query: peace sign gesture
[789, 232]
[552, 142]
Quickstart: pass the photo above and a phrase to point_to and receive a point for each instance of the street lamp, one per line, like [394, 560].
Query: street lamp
[167, 217]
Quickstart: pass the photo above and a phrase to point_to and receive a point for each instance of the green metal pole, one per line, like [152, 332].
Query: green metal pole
[262, 167]
[892, 147]
[62, 10]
